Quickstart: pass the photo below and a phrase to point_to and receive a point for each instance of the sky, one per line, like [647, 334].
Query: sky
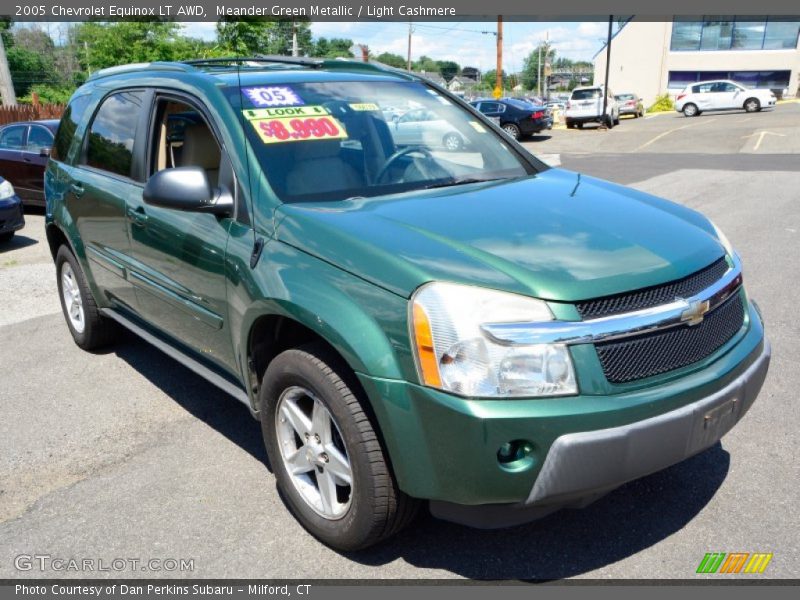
[462, 42]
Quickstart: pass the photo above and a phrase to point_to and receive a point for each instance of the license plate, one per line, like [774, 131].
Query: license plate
[718, 421]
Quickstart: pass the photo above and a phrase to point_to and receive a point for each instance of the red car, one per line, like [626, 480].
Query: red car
[24, 151]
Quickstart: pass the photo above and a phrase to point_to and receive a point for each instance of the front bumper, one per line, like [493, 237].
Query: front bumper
[11, 216]
[445, 448]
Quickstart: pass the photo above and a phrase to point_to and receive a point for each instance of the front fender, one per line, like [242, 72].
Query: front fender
[364, 323]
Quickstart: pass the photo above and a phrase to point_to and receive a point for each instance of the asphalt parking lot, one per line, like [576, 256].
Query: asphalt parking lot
[126, 453]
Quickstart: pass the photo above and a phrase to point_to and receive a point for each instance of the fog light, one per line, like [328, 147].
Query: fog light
[515, 455]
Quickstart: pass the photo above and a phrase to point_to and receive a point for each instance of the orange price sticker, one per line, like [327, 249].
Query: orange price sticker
[298, 129]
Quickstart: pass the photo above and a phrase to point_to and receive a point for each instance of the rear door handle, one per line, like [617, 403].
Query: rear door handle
[137, 216]
[77, 189]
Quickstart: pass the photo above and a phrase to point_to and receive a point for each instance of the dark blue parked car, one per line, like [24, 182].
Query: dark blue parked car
[516, 117]
[11, 218]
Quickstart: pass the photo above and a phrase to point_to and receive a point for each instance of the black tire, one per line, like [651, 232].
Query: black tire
[378, 509]
[752, 105]
[452, 142]
[580, 125]
[98, 331]
[6, 237]
[570, 125]
[690, 110]
[616, 121]
[512, 130]
[609, 122]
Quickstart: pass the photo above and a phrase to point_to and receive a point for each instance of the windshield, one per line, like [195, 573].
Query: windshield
[586, 94]
[339, 140]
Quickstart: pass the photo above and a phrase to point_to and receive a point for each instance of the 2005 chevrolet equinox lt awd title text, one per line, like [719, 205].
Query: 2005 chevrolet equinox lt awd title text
[409, 323]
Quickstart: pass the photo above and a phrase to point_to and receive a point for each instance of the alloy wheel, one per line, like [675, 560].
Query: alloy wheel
[313, 453]
[73, 303]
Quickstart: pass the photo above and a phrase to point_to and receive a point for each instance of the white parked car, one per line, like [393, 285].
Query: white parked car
[585, 105]
[421, 126]
[722, 95]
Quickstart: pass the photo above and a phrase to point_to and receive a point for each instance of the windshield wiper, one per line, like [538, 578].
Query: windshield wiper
[462, 181]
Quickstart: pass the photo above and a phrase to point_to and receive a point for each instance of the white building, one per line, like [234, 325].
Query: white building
[651, 58]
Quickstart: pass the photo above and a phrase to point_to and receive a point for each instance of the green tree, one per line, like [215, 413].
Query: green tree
[427, 64]
[393, 60]
[448, 69]
[252, 36]
[530, 69]
[332, 48]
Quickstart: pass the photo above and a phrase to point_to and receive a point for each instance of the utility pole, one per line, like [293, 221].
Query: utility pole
[498, 82]
[6, 85]
[295, 49]
[408, 56]
[608, 65]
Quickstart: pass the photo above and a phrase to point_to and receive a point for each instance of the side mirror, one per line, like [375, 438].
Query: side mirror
[186, 188]
[44, 152]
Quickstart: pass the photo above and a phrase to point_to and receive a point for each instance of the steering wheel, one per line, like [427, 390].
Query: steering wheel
[400, 153]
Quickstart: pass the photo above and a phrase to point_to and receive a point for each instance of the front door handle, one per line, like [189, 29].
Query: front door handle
[77, 189]
[137, 216]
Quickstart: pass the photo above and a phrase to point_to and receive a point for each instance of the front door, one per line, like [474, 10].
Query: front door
[34, 160]
[179, 256]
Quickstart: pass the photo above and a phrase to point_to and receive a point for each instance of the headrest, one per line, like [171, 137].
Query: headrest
[199, 147]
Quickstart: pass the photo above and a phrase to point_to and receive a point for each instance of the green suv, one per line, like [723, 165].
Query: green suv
[413, 310]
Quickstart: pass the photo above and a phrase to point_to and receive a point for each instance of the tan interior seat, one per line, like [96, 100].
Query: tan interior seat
[200, 149]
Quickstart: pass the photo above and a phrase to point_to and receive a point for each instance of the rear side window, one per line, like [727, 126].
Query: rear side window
[113, 130]
[69, 123]
[586, 94]
[38, 137]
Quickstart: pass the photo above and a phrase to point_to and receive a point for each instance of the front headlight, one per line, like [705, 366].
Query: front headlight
[723, 239]
[6, 190]
[453, 353]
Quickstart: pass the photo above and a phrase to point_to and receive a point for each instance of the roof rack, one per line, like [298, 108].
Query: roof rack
[119, 69]
[258, 58]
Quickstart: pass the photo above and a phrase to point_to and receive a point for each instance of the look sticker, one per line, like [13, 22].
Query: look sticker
[273, 96]
[364, 106]
[297, 129]
[477, 127]
[284, 111]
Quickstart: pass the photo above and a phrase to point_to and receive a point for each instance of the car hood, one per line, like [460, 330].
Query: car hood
[556, 235]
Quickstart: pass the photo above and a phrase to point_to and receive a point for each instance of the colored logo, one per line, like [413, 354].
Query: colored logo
[734, 562]
[695, 313]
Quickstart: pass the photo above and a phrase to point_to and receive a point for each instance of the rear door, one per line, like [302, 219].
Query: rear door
[34, 160]
[12, 141]
[703, 96]
[99, 186]
[179, 256]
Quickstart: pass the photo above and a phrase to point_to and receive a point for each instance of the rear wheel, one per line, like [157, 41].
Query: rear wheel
[570, 125]
[690, 110]
[580, 125]
[512, 130]
[452, 142]
[88, 327]
[6, 237]
[325, 454]
[609, 122]
[752, 105]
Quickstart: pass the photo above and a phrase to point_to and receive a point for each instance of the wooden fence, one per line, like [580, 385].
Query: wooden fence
[30, 112]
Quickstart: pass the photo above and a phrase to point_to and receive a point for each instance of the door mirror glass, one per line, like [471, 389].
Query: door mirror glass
[44, 152]
[186, 188]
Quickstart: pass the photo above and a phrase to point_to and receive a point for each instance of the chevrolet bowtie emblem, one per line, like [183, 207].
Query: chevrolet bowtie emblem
[696, 312]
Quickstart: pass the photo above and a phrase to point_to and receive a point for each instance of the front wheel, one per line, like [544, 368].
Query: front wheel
[512, 130]
[328, 462]
[88, 327]
[6, 237]
[752, 105]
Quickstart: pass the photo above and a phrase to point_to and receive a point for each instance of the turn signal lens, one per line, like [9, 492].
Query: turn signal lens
[425, 352]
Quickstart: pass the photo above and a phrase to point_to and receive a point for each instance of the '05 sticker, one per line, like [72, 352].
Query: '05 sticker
[273, 96]
[297, 129]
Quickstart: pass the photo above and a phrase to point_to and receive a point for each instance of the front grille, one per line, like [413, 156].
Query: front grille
[662, 351]
[653, 296]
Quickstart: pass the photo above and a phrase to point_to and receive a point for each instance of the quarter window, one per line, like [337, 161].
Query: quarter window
[112, 133]
[11, 138]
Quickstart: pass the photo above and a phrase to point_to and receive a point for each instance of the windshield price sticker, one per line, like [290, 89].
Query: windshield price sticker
[286, 111]
[298, 129]
[273, 96]
[364, 106]
[477, 127]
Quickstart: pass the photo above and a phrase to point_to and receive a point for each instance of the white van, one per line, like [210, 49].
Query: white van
[585, 105]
